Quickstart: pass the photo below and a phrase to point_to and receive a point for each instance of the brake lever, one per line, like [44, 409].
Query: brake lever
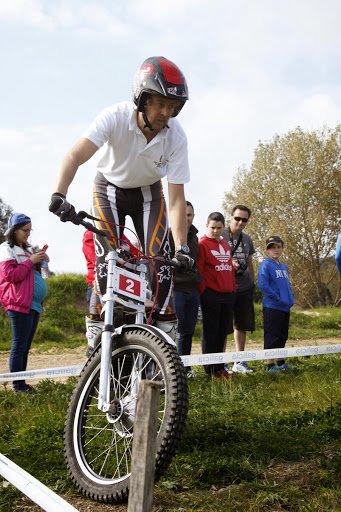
[79, 219]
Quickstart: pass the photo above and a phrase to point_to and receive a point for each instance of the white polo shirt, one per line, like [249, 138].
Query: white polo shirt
[125, 158]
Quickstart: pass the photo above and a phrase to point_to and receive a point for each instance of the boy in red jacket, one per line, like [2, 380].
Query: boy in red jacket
[216, 292]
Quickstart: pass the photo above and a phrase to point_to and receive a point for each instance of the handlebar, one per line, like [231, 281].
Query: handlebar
[79, 220]
[166, 258]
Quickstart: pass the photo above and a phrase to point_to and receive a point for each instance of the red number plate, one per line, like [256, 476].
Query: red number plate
[129, 284]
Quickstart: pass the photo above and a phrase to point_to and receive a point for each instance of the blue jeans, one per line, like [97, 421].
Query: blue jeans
[23, 329]
[186, 306]
[88, 295]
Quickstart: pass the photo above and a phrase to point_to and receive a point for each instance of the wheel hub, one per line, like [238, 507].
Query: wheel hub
[115, 411]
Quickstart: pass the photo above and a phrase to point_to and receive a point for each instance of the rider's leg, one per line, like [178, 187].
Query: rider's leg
[104, 207]
[93, 322]
[151, 224]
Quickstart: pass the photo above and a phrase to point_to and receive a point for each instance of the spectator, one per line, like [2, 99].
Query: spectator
[243, 310]
[216, 291]
[273, 281]
[186, 293]
[22, 290]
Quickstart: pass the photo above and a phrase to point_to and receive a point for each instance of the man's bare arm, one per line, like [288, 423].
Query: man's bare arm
[177, 213]
[80, 153]
[250, 268]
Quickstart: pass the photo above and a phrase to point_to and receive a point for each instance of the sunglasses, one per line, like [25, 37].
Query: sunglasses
[243, 219]
[26, 230]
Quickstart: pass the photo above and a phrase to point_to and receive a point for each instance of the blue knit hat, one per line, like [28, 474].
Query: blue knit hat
[15, 219]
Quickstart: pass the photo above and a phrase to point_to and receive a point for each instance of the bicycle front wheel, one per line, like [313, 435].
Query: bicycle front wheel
[98, 445]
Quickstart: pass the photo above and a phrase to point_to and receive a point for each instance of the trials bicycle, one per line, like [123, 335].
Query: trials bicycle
[99, 426]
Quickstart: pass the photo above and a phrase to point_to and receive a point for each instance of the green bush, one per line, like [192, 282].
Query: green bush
[257, 295]
[48, 332]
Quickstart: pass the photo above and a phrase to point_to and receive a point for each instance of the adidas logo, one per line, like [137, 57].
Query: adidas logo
[221, 255]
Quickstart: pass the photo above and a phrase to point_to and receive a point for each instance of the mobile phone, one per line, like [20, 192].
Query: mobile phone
[45, 248]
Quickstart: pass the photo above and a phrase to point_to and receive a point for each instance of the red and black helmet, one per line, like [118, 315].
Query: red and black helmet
[158, 75]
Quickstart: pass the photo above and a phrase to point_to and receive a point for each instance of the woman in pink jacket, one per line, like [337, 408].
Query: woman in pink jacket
[22, 290]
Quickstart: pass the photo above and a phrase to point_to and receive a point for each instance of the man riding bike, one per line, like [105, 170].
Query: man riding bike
[140, 142]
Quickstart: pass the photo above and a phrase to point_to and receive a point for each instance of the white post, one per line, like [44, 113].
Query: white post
[144, 448]
[34, 489]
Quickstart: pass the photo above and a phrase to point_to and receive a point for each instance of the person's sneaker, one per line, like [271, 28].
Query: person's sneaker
[227, 369]
[190, 374]
[273, 369]
[285, 368]
[221, 375]
[241, 367]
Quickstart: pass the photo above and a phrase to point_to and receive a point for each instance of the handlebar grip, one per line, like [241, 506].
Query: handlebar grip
[173, 263]
[92, 228]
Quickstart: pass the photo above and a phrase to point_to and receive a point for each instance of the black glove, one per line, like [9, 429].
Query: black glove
[186, 261]
[61, 207]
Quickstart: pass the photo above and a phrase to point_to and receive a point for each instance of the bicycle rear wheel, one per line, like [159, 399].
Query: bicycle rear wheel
[98, 445]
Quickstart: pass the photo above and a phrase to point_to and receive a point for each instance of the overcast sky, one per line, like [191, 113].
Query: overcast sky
[254, 69]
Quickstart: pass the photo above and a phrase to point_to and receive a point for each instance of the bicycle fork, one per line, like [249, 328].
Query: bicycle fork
[108, 333]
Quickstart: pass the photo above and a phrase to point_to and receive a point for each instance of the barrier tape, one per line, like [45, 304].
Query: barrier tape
[194, 360]
[257, 355]
[48, 373]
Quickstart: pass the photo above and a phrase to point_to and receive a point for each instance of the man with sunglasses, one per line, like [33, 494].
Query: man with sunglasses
[242, 250]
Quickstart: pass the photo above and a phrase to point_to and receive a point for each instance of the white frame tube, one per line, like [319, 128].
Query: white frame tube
[34, 489]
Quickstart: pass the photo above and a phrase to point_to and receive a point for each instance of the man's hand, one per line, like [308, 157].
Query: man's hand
[235, 264]
[186, 261]
[61, 207]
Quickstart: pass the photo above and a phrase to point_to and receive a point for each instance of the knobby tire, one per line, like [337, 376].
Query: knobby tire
[98, 445]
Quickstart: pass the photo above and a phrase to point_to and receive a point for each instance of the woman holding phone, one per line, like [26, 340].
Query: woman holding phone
[22, 290]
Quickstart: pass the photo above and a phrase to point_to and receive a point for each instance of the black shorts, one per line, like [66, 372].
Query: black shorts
[244, 311]
[276, 328]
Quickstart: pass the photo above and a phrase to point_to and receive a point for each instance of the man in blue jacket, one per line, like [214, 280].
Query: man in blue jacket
[273, 281]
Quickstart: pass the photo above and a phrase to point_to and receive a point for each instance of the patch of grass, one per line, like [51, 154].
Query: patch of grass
[258, 442]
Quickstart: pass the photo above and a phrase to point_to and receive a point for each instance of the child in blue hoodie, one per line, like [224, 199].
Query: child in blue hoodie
[273, 281]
